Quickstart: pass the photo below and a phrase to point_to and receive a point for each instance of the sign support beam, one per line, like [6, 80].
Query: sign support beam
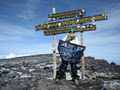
[82, 58]
[54, 52]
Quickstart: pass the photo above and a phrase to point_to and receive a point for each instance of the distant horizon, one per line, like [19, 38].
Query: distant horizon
[12, 57]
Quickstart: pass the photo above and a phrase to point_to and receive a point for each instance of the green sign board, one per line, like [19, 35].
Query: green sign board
[71, 22]
[62, 30]
[69, 14]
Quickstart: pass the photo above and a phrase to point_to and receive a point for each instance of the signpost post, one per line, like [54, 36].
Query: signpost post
[59, 27]
[54, 52]
[82, 58]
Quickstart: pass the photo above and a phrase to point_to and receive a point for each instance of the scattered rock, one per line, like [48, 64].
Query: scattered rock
[35, 73]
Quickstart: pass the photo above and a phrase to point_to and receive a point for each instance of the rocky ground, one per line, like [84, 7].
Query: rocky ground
[35, 73]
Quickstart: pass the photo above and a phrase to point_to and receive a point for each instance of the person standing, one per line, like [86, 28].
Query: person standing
[71, 37]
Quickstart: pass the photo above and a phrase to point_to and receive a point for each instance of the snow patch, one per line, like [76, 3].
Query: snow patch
[30, 70]
[25, 76]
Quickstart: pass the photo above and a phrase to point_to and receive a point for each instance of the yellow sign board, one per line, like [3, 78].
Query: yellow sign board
[69, 14]
[62, 30]
[71, 22]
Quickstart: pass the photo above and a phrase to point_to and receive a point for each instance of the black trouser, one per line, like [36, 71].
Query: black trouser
[63, 67]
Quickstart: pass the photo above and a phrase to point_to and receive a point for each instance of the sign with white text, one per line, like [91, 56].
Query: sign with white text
[68, 14]
[89, 27]
[71, 22]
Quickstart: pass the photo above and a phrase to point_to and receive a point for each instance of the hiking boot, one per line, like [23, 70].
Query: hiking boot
[57, 80]
[76, 82]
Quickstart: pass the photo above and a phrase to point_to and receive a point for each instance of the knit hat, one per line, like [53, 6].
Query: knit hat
[72, 29]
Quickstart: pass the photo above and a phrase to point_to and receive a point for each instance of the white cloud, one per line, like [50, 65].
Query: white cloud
[26, 14]
[107, 30]
[103, 39]
[111, 23]
[113, 19]
[23, 55]
[1, 57]
[14, 32]
[28, 10]
[7, 28]
[11, 55]
[9, 38]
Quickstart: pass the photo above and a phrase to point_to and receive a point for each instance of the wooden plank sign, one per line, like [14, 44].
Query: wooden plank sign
[62, 30]
[71, 22]
[68, 14]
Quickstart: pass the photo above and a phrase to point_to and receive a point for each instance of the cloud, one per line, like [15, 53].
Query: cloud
[107, 30]
[103, 39]
[26, 14]
[24, 55]
[104, 42]
[1, 57]
[25, 49]
[28, 10]
[112, 22]
[11, 55]
[14, 32]
[9, 38]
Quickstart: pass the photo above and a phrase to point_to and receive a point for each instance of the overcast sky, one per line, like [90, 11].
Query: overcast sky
[18, 19]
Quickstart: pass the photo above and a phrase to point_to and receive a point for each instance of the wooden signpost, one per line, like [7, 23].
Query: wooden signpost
[61, 27]
[54, 51]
